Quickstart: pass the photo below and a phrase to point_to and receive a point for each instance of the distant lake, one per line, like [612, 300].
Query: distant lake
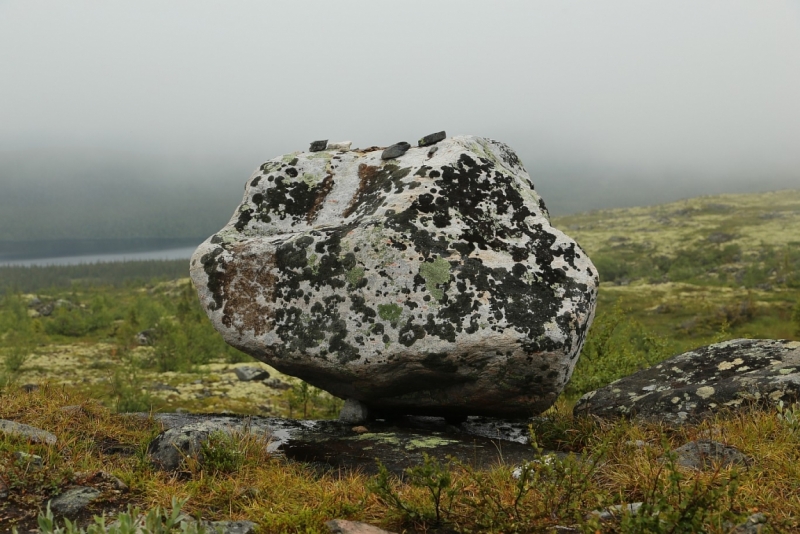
[164, 254]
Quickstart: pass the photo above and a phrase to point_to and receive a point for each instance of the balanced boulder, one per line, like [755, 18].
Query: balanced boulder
[701, 382]
[423, 284]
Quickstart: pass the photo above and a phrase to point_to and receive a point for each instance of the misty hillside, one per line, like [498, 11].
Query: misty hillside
[59, 202]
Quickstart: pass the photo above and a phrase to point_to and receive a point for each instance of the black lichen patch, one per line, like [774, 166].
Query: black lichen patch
[374, 183]
[287, 198]
[476, 193]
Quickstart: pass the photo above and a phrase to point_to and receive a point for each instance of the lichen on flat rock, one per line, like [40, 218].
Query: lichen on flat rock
[704, 381]
[429, 283]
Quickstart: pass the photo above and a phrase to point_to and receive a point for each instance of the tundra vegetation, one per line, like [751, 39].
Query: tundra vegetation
[118, 338]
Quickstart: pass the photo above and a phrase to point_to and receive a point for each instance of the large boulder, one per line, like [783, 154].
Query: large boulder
[701, 382]
[431, 283]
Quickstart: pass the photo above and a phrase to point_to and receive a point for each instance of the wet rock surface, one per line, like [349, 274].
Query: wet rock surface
[416, 285]
[397, 444]
[698, 383]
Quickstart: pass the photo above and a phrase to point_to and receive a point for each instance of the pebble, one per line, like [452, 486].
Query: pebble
[33, 459]
[318, 146]
[396, 150]
[341, 145]
[432, 151]
[73, 500]
[432, 139]
[354, 412]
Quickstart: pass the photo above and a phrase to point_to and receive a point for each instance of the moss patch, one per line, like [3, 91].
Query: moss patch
[435, 273]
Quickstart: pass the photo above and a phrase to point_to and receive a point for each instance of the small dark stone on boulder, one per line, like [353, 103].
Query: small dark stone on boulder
[396, 150]
[318, 146]
[432, 139]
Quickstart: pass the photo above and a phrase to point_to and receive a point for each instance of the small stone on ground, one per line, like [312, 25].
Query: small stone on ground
[704, 453]
[35, 435]
[343, 526]
[249, 373]
[72, 501]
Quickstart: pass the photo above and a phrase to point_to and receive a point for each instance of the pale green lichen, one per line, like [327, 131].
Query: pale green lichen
[429, 442]
[389, 312]
[435, 273]
[355, 275]
[312, 262]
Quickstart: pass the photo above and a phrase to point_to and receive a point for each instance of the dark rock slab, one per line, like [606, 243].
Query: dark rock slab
[72, 501]
[701, 454]
[397, 444]
[395, 151]
[699, 383]
[432, 139]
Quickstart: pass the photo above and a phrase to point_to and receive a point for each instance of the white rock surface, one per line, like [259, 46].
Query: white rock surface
[432, 283]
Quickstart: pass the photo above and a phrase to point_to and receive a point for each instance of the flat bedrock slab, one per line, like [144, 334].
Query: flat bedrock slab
[419, 285]
[701, 382]
[397, 444]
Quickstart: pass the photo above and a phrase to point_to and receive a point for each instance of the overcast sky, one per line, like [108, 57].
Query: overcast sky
[711, 87]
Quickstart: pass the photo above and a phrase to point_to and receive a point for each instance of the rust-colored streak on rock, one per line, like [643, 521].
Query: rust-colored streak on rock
[366, 173]
[322, 192]
[245, 280]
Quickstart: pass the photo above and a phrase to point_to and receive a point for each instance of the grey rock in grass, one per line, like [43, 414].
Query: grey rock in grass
[343, 526]
[414, 286]
[249, 373]
[72, 501]
[616, 511]
[318, 146]
[3, 489]
[170, 448]
[432, 139]
[753, 525]
[33, 460]
[395, 151]
[31, 433]
[701, 382]
[230, 527]
[701, 454]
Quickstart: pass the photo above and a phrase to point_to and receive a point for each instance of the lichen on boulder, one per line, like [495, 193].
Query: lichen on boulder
[431, 284]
